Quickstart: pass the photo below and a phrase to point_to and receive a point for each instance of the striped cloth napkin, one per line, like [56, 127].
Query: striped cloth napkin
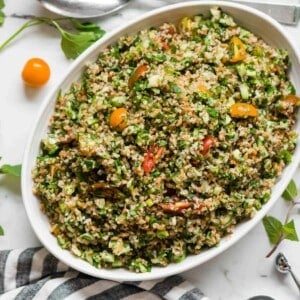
[33, 273]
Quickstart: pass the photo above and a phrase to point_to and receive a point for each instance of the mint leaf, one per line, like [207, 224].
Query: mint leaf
[14, 170]
[1, 230]
[291, 191]
[273, 228]
[289, 231]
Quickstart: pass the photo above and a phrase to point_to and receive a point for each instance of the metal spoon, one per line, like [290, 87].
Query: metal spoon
[83, 8]
[283, 266]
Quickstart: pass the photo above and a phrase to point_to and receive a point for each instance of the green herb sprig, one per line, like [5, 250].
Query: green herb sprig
[2, 15]
[13, 170]
[276, 230]
[73, 41]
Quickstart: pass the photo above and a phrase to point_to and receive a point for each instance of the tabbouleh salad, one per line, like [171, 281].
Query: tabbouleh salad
[172, 137]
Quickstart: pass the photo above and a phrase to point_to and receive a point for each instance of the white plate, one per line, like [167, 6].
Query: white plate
[255, 21]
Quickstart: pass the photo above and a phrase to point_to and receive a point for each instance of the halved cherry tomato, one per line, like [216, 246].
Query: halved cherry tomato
[239, 50]
[36, 72]
[153, 154]
[243, 110]
[203, 88]
[185, 25]
[118, 118]
[137, 73]
[207, 143]
[292, 99]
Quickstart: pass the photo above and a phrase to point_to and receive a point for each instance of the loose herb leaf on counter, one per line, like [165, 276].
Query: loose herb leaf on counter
[1, 230]
[14, 170]
[291, 191]
[2, 15]
[275, 229]
[73, 41]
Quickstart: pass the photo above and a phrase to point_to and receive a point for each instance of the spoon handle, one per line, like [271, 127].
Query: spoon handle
[295, 279]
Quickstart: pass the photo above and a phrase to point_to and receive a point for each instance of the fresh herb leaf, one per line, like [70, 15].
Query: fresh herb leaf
[14, 170]
[289, 231]
[2, 15]
[291, 191]
[88, 26]
[1, 230]
[273, 228]
[73, 42]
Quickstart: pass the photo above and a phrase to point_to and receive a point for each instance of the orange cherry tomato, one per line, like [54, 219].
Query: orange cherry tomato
[239, 50]
[137, 73]
[118, 118]
[207, 142]
[36, 72]
[292, 99]
[243, 110]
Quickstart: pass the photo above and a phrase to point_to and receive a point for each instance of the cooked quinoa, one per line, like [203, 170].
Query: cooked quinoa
[172, 137]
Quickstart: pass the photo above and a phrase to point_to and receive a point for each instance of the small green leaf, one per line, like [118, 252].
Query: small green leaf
[291, 191]
[289, 231]
[73, 44]
[273, 228]
[2, 18]
[2, 15]
[89, 27]
[14, 170]
[1, 230]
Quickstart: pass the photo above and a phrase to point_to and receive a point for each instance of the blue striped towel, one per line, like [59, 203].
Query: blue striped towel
[33, 273]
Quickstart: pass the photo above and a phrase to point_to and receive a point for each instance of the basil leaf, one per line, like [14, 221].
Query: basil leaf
[14, 170]
[273, 228]
[289, 231]
[291, 191]
[1, 4]
[1, 230]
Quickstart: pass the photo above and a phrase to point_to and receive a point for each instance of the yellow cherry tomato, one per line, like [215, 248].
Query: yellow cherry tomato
[243, 110]
[292, 99]
[36, 72]
[137, 73]
[238, 48]
[117, 119]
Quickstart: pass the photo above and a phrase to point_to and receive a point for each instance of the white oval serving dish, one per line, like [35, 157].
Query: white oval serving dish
[253, 20]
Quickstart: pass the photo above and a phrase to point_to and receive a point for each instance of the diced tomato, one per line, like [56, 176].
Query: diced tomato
[153, 154]
[176, 207]
[207, 142]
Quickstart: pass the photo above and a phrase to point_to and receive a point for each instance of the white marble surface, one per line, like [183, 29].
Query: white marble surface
[242, 271]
